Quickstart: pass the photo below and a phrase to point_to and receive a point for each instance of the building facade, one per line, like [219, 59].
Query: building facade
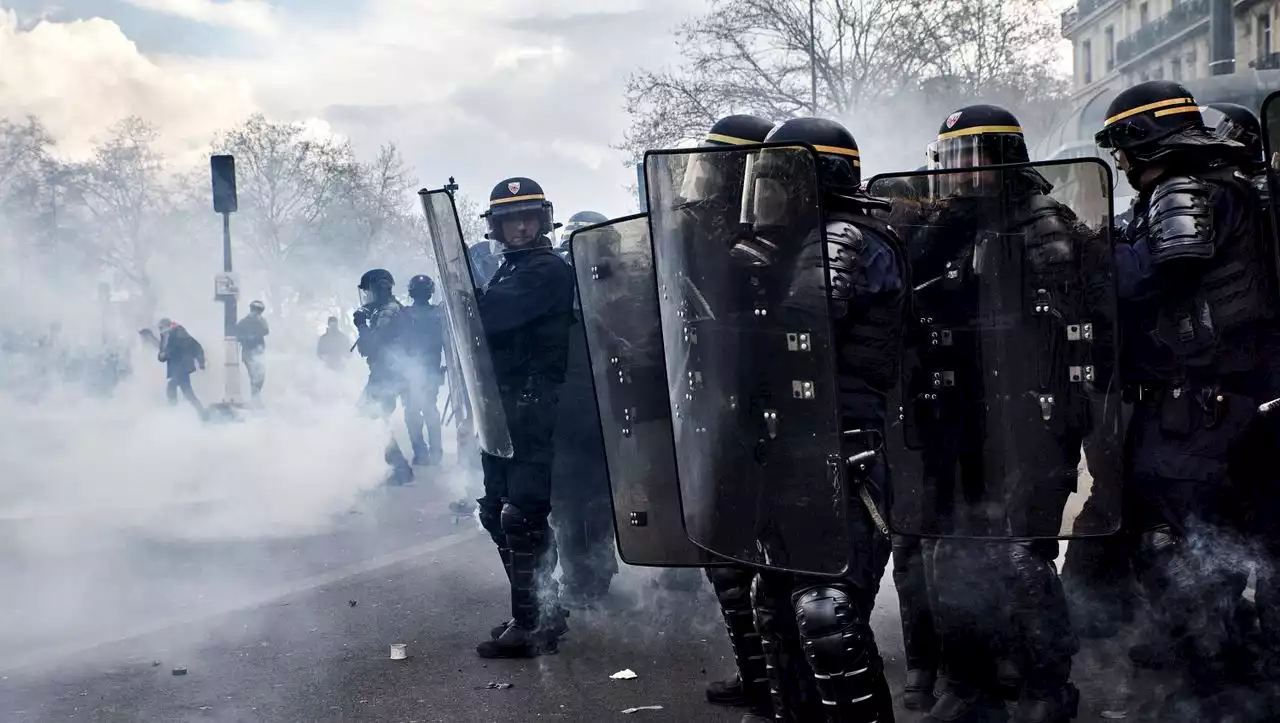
[1117, 43]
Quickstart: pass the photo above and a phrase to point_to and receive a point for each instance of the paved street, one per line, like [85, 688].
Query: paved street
[299, 630]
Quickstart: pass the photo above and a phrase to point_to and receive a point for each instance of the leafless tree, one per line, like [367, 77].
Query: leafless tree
[119, 200]
[286, 181]
[868, 57]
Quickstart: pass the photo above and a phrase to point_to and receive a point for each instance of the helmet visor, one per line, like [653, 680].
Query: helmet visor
[972, 151]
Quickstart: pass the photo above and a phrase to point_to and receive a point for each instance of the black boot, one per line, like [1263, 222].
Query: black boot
[918, 692]
[726, 692]
[1059, 707]
[954, 707]
[517, 642]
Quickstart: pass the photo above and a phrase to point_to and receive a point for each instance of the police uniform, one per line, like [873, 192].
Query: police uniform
[1198, 294]
[526, 310]
[816, 632]
[379, 328]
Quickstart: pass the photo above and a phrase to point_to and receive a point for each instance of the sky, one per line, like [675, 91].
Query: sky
[477, 89]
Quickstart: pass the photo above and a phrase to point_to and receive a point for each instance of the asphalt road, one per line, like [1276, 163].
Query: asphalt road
[299, 630]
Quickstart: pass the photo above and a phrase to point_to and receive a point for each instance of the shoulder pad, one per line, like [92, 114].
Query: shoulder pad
[1047, 217]
[1180, 219]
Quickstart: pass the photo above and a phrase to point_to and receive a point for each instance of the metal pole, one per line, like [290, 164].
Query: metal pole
[813, 66]
[231, 349]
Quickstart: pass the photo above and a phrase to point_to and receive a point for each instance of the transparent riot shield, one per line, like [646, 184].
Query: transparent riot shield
[747, 337]
[1010, 359]
[466, 332]
[619, 297]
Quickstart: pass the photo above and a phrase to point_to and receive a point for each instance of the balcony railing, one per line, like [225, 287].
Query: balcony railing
[1270, 61]
[1184, 15]
[1082, 9]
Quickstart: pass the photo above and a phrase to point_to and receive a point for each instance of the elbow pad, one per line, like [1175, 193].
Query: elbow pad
[1181, 220]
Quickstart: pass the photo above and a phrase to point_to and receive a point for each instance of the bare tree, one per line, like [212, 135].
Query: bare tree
[286, 182]
[858, 57]
[120, 198]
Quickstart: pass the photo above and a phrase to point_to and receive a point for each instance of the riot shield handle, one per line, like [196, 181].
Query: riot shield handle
[873, 439]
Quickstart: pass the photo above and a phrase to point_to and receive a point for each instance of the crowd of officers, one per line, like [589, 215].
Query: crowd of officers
[990, 629]
[1190, 274]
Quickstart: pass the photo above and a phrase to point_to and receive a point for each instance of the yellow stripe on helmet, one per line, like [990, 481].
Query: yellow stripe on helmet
[837, 150]
[530, 197]
[1150, 106]
[1171, 111]
[728, 140]
[979, 130]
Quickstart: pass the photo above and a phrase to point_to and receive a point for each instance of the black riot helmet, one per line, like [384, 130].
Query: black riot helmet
[1153, 119]
[375, 286]
[1234, 122]
[582, 219]
[513, 198]
[779, 198]
[707, 175]
[972, 137]
[978, 135]
[421, 288]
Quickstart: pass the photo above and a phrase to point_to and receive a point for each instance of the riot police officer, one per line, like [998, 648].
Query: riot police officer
[581, 219]
[823, 659]
[1198, 298]
[712, 200]
[424, 344]
[526, 310]
[251, 333]
[583, 518]
[996, 260]
[380, 342]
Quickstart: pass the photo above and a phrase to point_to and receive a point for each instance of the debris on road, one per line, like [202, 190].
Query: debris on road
[179, 671]
[643, 707]
[352, 603]
[399, 651]
[627, 674]
[496, 686]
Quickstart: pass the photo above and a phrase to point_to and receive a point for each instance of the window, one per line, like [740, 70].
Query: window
[1262, 35]
[1175, 69]
[1142, 15]
[1158, 73]
[1086, 61]
[1191, 66]
[1111, 47]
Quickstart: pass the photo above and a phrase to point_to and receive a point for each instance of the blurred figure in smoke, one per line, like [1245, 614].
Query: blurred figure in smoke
[181, 355]
[1198, 291]
[380, 342]
[252, 332]
[526, 310]
[424, 373]
[334, 347]
[584, 511]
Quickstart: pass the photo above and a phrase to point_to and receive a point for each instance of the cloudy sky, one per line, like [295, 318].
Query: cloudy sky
[478, 89]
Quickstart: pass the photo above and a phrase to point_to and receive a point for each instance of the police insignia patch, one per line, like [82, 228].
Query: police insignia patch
[953, 119]
[514, 187]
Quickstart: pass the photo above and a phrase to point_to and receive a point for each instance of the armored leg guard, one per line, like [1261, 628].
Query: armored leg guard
[534, 593]
[791, 685]
[919, 638]
[1047, 641]
[835, 629]
[733, 590]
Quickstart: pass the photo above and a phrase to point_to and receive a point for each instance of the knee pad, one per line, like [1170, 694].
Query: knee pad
[490, 517]
[523, 529]
[836, 639]
[732, 586]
